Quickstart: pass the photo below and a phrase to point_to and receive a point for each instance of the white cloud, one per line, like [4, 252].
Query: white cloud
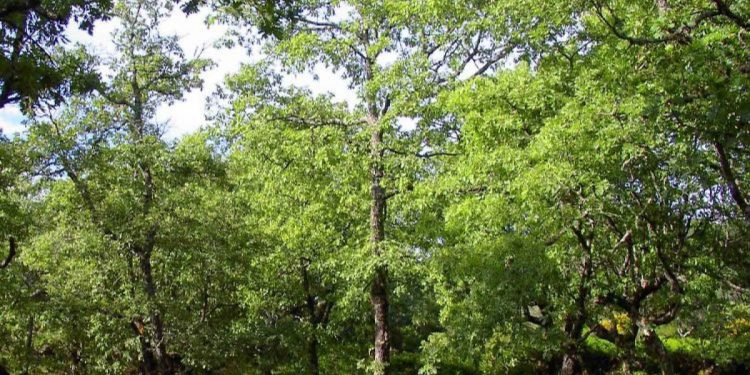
[195, 36]
[100, 41]
[188, 115]
[11, 120]
[322, 80]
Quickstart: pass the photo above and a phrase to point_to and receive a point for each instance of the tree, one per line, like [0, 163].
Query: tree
[10, 210]
[31, 69]
[517, 187]
[109, 148]
[624, 171]
[290, 152]
[352, 38]
[14, 214]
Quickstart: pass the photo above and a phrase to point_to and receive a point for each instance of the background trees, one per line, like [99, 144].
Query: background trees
[516, 188]
[31, 69]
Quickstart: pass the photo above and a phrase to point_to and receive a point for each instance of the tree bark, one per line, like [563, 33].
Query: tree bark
[29, 345]
[11, 253]
[145, 250]
[569, 364]
[77, 365]
[379, 298]
[379, 288]
[159, 346]
[312, 345]
[575, 321]
[148, 366]
[725, 167]
[312, 350]
[655, 347]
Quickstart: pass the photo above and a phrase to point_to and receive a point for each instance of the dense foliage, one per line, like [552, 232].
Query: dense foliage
[519, 187]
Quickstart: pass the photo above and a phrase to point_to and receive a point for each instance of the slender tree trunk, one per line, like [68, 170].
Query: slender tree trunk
[312, 351]
[312, 345]
[575, 321]
[626, 344]
[379, 298]
[11, 252]
[148, 366]
[138, 127]
[571, 363]
[29, 345]
[379, 288]
[159, 346]
[76, 362]
[725, 167]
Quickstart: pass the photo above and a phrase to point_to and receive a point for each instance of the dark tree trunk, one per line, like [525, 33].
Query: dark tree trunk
[626, 343]
[576, 320]
[379, 297]
[11, 253]
[159, 346]
[148, 365]
[379, 288]
[77, 365]
[314, 319]
[725, 167]
[29, 345]
[312, 350]
[655, 348]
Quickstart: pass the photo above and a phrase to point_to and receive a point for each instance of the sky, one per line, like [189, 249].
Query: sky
[189, 115]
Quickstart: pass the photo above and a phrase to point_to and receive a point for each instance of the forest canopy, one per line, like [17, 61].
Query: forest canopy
[514, 187]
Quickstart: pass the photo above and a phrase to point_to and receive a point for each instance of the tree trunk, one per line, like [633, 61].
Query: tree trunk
[159, 345]
[29, 345]
[655, 348]
[725, 167]
[627, 357]
[379, 298]
[379, 288]
[312, 345]
[76, 362]
[11, 252]
[148, 366]
[569, 364]
[576, 320]
[312, 350]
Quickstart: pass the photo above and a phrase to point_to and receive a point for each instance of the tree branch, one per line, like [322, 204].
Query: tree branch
[729, 178]
[11, 253]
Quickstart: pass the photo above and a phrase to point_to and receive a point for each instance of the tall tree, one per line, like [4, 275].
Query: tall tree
[149, 70]
[291, 153]
[10, 210]
[609, 69]
[356, 38]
